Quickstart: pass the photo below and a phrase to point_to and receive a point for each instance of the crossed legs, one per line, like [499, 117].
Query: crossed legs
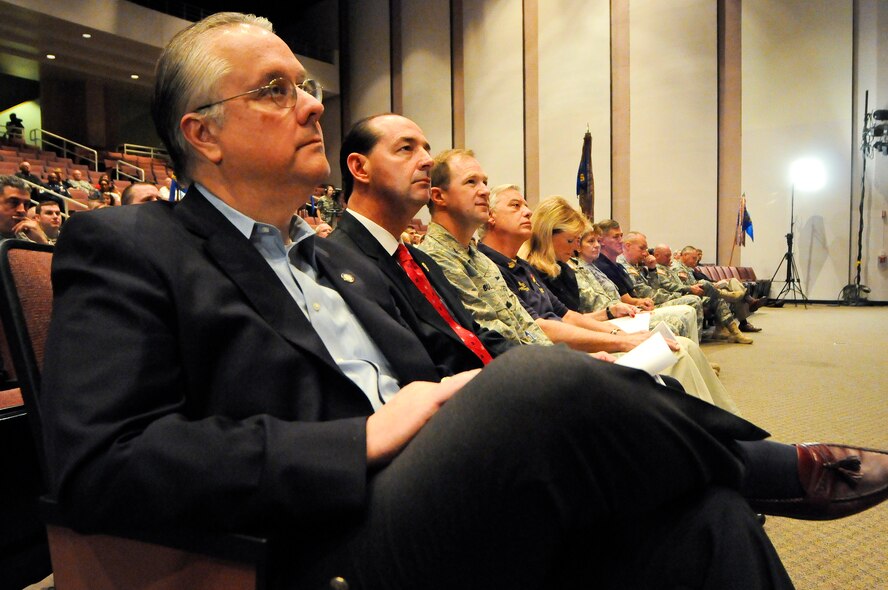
[545, 445]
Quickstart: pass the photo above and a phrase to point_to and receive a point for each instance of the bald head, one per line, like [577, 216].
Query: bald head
[663, 254]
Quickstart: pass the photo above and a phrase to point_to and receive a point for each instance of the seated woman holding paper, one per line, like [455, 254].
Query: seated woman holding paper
[563, 247]
[507, 228]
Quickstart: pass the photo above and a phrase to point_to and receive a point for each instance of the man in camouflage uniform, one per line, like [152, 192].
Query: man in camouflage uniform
[642, 267]
[726, 300]
[599, 292]
[507, 228]
[644, 281]
[483, 290]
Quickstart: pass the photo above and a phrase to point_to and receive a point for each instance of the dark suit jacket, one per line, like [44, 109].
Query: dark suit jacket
[440, 340]
[181, 377]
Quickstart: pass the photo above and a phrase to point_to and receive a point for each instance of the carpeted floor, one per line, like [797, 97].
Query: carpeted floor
[819, 374]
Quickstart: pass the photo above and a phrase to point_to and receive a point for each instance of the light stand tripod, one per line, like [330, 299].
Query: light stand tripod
[855, 293]
[792, 284]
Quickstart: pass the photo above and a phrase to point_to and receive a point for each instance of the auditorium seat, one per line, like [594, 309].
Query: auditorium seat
[113, 560]
[745, 274]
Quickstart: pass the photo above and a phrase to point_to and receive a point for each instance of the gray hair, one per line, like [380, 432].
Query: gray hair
[14, 182]
[187, 75]
[492, 201]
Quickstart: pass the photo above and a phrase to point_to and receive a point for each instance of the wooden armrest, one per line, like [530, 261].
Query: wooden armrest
[175, 560]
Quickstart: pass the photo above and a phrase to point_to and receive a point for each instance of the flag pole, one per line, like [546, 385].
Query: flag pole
[738, 228]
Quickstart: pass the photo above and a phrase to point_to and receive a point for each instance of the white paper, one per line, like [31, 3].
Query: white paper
[664, 330]
[653, 355]
[640, 323]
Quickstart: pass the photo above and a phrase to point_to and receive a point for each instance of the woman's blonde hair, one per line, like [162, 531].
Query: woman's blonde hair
[552, 216]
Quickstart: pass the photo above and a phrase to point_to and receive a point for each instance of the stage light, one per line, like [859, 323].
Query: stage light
[808, 174]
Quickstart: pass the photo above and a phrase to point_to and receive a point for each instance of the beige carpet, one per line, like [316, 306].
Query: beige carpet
[819, 374]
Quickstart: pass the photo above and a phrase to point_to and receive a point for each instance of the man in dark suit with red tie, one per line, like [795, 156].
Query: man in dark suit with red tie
[375, 216]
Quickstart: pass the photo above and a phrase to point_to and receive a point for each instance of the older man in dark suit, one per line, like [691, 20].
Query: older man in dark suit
[250, 378]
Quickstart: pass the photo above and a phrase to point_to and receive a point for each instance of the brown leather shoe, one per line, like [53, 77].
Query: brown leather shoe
[748, 327]
[755, 303]
[838, 481]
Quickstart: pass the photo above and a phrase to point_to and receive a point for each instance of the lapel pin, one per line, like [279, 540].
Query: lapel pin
[347, 277]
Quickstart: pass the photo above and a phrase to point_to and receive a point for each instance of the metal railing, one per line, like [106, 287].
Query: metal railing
[146, 151]
[120, 168]
[68, 200]
[68, 148]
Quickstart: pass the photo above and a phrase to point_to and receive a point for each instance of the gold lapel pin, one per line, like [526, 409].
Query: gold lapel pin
[348, 278]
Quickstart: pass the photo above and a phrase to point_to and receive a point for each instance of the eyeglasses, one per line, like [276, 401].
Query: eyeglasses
[281, 90]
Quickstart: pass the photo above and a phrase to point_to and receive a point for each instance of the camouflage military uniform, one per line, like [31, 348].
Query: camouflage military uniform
[648, 285]
[482, 288]
[681, 277]
[329, 210]
[598, 292]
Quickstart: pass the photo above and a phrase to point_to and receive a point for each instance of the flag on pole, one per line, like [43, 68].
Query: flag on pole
[585, 179]
[744, 223]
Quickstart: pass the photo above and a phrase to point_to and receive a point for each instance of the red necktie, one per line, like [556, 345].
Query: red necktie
[422, 283]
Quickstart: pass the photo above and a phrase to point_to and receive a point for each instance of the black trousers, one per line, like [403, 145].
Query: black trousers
[553, 469]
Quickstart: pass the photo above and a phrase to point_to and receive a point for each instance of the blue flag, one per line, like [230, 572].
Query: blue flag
[744, 223]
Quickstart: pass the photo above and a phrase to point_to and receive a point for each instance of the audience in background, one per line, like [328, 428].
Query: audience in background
[15, 130]
[55, 184]
[165, 186]
[408, 234]
[76, 181]
[508, 226]
[322, 230]
[723, 302]
[49, 216]
[559, 231]
[35, 188]
[630, 292]
[138, 193]
[679, 275]
[14, 222]
[329, 206]
[106, 192]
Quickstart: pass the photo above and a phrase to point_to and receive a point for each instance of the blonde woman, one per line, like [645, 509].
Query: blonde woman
[557, 232]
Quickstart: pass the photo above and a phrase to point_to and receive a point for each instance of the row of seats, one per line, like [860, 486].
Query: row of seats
[155, 169]
[745, 274]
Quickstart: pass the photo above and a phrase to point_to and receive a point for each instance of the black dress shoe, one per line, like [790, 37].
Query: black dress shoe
[838, 481]
[747, 327]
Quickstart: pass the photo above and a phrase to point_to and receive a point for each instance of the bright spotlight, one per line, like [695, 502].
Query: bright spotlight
[808, 174]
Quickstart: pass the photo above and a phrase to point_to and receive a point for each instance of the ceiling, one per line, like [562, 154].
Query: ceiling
[27, 36]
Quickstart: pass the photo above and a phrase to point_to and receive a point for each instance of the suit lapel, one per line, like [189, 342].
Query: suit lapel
[365, 292]
[365, 241]
[246, 268]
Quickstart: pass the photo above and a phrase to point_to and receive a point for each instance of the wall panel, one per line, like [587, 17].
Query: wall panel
[370, 60]
[494, 87]
[674, 121]
[426, 69]
[574, 90]
[797, 84]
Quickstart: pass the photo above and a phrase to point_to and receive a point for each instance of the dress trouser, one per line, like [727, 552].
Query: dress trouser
[523, 477]
[695, 374]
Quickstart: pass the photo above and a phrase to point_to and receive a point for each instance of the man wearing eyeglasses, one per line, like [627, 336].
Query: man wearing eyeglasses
[263, 380]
